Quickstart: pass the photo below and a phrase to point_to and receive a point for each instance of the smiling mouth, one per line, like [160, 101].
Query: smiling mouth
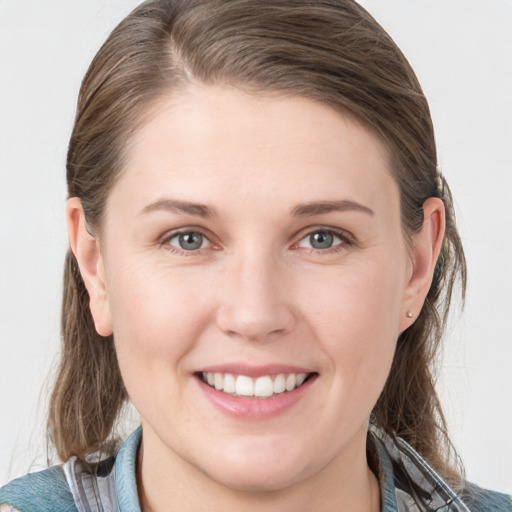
[265, 386]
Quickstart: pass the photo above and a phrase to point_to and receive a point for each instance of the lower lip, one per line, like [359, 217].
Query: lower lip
[252, 408]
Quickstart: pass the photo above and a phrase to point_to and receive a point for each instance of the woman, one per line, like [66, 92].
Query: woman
[262, 257]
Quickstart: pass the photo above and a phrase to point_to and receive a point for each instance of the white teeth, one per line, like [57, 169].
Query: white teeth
[279, 383]
[244, 386]
[229, 383]
[262, 387]
[301, 377]
[291, 381]
[218, 381]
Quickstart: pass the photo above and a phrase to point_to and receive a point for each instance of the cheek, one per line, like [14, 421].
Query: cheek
[157, 316]
[355, 316]
[361, 299]
[154, 301]
[156, 322]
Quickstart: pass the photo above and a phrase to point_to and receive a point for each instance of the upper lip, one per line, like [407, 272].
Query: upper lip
[254, 371]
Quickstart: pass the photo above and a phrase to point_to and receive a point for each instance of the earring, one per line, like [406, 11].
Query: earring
[409, 314]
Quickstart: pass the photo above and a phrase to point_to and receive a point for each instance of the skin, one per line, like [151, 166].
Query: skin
[257, 293]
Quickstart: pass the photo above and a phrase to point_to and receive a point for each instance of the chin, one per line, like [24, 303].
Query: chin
[259, 481]
[251, 471]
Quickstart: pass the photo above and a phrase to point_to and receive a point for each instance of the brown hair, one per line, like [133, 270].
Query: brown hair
[332, 51]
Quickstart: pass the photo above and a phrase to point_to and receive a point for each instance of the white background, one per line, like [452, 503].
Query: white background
[462, 52]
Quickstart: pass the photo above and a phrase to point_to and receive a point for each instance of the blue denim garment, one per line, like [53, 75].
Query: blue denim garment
[407, 484]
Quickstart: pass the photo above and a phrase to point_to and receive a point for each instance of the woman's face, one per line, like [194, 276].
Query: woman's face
[253, 242]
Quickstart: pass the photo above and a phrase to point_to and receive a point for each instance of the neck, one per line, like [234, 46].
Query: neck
[346, 483]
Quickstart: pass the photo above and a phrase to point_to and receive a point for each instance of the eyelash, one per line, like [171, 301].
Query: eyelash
[165, 241]
[346, 239]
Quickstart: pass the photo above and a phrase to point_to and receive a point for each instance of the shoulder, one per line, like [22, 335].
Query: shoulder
[43, 491]
[409, 481]
[482, 500]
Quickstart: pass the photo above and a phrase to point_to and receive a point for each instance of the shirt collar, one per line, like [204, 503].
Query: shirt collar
[126, 470]
[404, 474]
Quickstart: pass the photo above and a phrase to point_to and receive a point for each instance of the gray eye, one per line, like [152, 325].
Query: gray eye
[190, 241]
[321, 240]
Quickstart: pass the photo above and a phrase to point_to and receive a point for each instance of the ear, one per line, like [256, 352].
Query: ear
[426, 248]
[86, 249]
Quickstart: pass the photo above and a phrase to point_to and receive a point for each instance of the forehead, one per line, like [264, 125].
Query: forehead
[208, 140]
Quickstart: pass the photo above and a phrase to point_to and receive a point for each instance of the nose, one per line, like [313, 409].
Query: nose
[254, 300]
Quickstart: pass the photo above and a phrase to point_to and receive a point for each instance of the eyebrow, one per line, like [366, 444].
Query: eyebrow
[174, 205]
[318, 208]
[301, 210]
